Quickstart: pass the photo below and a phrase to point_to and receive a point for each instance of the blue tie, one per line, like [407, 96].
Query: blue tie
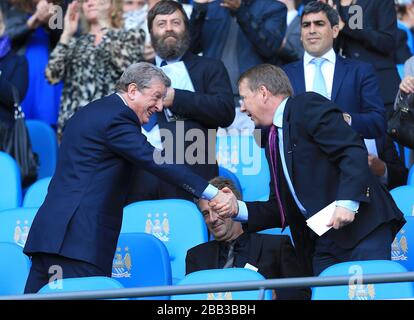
[153, 119]
[319, 85]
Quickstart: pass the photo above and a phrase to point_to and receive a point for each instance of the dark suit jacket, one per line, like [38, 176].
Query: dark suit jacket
[375, 43]
[326, 161]
[13, 71]
[82, 214]
[274, 256]
[397, 172]
[209, 107]
[354, 90]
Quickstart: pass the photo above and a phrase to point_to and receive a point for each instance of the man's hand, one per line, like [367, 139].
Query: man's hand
[231, 4]
[341, 218]
[333, 5]
[407, 84]
[169, 98]
[376, 165]
[225, 203]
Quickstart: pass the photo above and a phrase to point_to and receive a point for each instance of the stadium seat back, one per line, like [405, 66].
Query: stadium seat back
[44, 143]
[222, 275]
[242, 156]
[177, 223]
[80, 284]
[141, 260]
[15, 225]
[14, 269]
[404, 198]
[10, 182]
[403, 245]
[36, 193]
[357, 290]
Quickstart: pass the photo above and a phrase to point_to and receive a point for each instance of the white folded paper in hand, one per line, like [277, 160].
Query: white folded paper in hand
[318, 222]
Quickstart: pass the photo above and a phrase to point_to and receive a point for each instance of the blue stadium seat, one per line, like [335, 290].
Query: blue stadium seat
[410, 179]
[14, 269]
[81, 284]
[222, 275]
[404, 198]
[141, 260]
[10, 182]
[36, 193]
[15, 225]
[177, 223]
[358, 291]
[403, 245]
[44, 143]
[241, 155]
[226, 173]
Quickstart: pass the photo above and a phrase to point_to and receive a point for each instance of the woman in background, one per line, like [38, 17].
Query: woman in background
[91, 64]
[13, 72]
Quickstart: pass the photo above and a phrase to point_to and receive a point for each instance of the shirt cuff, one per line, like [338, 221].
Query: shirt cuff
[348, 204]
[209, 193]
[384, 178]
[243, 214]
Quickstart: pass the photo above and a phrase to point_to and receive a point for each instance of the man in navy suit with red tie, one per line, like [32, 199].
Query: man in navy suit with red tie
[78, 225]
[316, 159]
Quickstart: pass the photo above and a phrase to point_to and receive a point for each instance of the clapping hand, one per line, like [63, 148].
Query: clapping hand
[71, 21]
[225, 203]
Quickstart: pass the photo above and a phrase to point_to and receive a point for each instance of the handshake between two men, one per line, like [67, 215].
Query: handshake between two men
[225, 203]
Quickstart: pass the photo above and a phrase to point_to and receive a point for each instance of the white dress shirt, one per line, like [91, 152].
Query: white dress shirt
[327, 68]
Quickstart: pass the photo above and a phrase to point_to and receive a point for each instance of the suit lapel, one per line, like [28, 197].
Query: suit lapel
[299, 78]
[213, 252]
[287, 147]
[339, 75]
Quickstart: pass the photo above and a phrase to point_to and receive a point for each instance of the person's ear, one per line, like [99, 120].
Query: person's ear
[132, 91]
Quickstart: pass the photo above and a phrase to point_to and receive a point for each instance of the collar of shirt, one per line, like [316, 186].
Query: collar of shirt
[122, 98]
[329, 56]
[158, 60]
[278, 117]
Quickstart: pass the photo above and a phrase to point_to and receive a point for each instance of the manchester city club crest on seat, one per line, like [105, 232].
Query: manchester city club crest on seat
[122, 264]
[219, 296]
[399, 248]
[361, 292]
[21, 233]
[154, 226]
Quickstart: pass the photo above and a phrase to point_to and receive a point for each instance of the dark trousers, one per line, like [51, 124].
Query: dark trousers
[375, 246]
[47, 267]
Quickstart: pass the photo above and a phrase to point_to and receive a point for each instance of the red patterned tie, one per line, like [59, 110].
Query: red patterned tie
[273, 145]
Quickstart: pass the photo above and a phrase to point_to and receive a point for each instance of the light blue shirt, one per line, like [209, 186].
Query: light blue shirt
[278, 122]
[210, 192]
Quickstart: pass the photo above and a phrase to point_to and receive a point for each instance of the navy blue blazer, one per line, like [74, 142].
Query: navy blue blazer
[354, 90]
[326, 161]
[81, 216]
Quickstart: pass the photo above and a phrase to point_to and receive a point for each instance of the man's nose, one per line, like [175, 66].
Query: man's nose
[213, 216]
[159, 105]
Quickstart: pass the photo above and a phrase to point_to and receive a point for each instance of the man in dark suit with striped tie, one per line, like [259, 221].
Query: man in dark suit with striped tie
[316, 159]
